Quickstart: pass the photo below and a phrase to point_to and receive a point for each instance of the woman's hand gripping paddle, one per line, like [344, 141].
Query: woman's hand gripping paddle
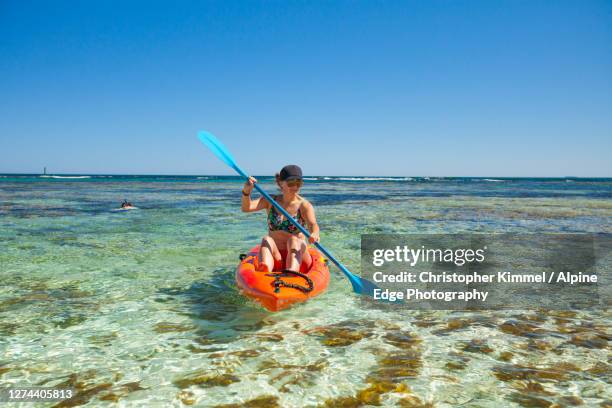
[360, 285]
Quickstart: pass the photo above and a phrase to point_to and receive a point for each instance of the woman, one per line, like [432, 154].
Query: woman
[284, 237]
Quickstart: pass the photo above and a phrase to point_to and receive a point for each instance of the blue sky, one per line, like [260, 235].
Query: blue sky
[405, 88]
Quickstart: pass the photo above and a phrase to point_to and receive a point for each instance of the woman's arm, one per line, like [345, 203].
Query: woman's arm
[249, 205]
[311, 220]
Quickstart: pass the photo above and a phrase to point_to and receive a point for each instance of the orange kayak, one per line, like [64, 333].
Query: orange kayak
[278, 290]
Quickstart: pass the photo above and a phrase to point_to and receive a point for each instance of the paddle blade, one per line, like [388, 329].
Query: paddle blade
[219, 150]
[367, 287]
[363, 286]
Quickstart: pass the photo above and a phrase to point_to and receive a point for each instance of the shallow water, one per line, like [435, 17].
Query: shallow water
[139, 307]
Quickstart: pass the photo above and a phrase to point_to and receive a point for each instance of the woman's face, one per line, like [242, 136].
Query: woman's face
[291, 186]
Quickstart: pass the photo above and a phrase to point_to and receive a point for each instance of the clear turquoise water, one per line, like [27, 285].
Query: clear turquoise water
[139, 308]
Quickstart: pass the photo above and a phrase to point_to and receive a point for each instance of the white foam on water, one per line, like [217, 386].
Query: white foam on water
[369, 178]
[125, 209]
[66, 177]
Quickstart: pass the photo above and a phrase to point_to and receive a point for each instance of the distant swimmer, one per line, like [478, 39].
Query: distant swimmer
[126, 205]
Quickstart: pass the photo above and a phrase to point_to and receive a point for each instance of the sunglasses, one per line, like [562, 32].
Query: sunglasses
[295, 183]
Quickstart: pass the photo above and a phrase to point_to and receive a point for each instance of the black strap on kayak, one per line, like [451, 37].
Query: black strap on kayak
[278, 283]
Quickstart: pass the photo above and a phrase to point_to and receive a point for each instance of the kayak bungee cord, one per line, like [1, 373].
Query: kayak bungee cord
[278, 282]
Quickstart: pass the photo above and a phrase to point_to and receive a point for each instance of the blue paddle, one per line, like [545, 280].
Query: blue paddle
[360, 285]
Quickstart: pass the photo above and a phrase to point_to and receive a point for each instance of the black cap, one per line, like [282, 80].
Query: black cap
[290, 172]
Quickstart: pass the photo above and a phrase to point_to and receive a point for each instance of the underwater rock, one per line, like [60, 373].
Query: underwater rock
[103, 339]
[477, 346]
[344, 333]
[265, 401]
[186, 397]
[121, 391]
[521, 329]
[78, 381]
[412, 401]
[408, 358]
[274, 337]
[570, 400]
[531, 387]
[268, 364]
[387, 376]
[18, 302]
[556, 372]
[343, 402]
[196, 350]
[454, 325]
[426, 323]
[83, 396]
[530, 401]
[317, 366]
[111, 396]
[366, 397]
[240, 353]
[590, 340]
[401, 339]
[396, 367]
[70, 320]
[564, 314]
[539, 316]
[537, 345]
[4, 367]
[246, 353]
[456, 365]
[369, 396]
[166, 327]
[600, 370]
[206, 380]
[303, 379]
[294, 374]
[8, 329]
[458, 362]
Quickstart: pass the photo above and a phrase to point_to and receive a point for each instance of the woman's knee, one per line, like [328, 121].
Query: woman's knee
[294, 242]
[296, 246]
[268, 242]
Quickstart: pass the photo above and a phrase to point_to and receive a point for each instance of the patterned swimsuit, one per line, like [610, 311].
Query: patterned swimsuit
[276, 221]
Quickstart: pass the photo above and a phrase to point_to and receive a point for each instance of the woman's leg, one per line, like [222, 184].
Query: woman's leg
[296, 252]
[268, 252]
